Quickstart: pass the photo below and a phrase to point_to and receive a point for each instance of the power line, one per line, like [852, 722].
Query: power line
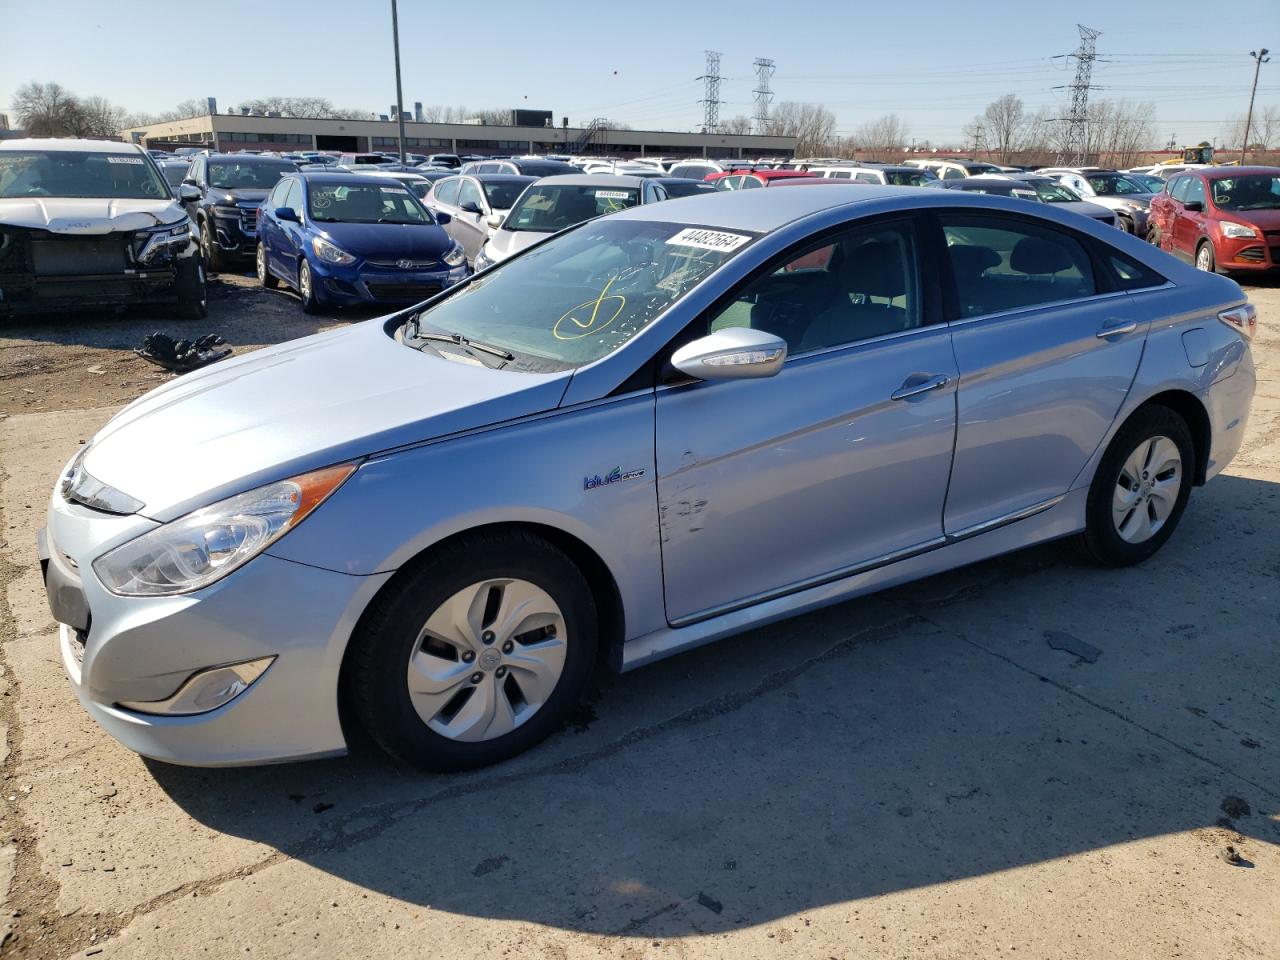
[711, 98]
[763, 95]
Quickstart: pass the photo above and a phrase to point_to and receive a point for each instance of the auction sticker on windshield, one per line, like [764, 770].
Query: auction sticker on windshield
[124, 160]
[708, 239]
[612, 195]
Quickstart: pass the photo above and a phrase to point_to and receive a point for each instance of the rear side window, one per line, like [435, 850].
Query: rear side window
[1004, 264]
[1130, 274]
[447, 191]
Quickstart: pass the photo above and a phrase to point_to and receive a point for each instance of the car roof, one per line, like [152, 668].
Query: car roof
[238, 157]
[1221, 173]
[663, 180]
[70, 144]
[757, 210]
[501, 177]
[345, 179]
[595, 180]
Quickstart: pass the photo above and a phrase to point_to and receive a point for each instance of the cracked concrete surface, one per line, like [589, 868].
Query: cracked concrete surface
[918, 773]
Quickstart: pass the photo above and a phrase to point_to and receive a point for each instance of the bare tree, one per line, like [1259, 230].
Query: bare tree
[1266, 126]
[741, 124]
[884, 138]
[306, 107]
[812, 124]
[1005, 124]
[47, 110]
[100, 118]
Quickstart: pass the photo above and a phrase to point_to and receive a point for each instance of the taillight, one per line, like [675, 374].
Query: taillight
[1242, 319]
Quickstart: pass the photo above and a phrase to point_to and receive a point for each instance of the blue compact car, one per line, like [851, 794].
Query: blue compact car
[342, 239]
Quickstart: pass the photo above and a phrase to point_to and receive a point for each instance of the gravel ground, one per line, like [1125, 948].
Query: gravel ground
[922, 773]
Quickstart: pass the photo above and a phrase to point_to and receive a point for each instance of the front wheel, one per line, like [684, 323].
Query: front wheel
[307, 288]
[1204, 258]
[214, 259]
[476, 654]
[193, 291]
[1141, 488]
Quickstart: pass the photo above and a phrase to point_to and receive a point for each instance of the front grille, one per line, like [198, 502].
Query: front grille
[79, 256]
[1252, 254]
[392, 290]
[249, 219]
[406, 264]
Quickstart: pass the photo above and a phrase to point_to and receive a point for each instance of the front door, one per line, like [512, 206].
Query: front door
[1046, 354]
[838, 462]
[469, 227]
[1188, 224]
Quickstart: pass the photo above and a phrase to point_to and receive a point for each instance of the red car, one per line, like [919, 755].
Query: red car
[1222, 218]
[747, 179]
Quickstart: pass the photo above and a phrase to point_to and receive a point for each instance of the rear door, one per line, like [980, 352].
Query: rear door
[1047, 349]
[839, 462]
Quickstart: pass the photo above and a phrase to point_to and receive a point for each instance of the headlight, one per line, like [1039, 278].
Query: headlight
[203, 547]
[456, 256]
[80, 486]
[1237, 231]
[226, 211]
[327, 252]
[482, 261]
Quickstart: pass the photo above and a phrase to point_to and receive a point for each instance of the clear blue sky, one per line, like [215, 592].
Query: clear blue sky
[637, 63]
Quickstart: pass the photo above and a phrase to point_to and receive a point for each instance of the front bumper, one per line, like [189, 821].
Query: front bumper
[1252, 254]
[236, 234]
[131, 649]
[369, 283]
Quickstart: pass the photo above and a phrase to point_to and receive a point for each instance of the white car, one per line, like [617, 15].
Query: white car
[695, 169]
[94, 224]
[954, 169]
[554, 203]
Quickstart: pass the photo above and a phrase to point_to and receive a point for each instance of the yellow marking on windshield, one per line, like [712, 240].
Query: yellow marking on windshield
[591, 326]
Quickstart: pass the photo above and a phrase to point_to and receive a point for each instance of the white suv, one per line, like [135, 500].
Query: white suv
[93, 223]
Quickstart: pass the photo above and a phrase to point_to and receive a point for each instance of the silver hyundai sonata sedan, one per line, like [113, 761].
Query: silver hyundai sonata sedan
[650, 431]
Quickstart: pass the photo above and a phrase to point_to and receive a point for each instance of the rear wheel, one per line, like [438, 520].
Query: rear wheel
[477, 654]
[265, 276]
[1141, 488]
[1204, 257]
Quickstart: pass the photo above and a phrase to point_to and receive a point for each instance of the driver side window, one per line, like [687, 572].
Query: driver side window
[862, 283]
[470, 193]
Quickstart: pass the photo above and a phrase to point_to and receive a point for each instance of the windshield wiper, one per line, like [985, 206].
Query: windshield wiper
[413, 331]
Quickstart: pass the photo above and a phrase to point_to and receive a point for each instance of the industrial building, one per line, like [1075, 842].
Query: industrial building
[235, 131]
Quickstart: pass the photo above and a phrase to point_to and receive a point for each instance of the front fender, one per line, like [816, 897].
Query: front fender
[541, 470]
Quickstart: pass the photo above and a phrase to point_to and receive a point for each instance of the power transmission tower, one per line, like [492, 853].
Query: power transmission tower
[763, 95]
[1260, 57]
[711, 98]
[1076, 143]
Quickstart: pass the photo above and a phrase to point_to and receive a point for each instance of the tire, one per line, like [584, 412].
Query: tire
[214, 260]
[1122, 497]
[1205, 259]
[465, 713]
[307, 288]
[1126, 224]
[1153, 235]
[193, 292]
[265, 276]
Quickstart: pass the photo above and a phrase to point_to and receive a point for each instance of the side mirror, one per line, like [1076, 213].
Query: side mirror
[494, 220]
[1194, 205]
[188, 193]
[286, 213]
[441, 217]
[737, 353]
[470, 206]
[189, 180]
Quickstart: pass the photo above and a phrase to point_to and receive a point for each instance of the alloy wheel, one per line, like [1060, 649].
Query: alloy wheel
[262, 265]
[487, 659]
[304, 282]
[1204, 258]
[1147, 489]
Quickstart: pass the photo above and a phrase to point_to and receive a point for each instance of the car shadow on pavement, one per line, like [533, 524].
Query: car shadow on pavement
[909, 739]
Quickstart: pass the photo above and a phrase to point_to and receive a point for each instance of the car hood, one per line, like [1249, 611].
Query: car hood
[1086, 208]
[506, 243]
[88, 216]
[1266, 219]
[389, 241]
[239, 195]
[295, 407]
[1121, 202]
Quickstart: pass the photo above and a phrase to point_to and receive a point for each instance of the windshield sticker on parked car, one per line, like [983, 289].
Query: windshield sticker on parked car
[612, 195]
[708, 239]
[124, 160]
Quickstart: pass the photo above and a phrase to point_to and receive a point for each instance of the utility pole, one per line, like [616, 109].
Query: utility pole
[977, 135]
[711, 99]
[395, 39]
[1260, 57]
[1075, 148]
[763, 95]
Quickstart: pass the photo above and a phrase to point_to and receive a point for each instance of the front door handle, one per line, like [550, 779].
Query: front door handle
[1116, 328]
[914, 386]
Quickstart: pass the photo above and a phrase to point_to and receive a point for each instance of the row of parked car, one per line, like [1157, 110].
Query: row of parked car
[341, 233]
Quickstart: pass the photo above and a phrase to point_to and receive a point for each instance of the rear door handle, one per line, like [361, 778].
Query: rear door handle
[913, 387]
[1116, 328]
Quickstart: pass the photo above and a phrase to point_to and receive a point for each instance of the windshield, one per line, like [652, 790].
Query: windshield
[686, 188]
[908, 178]
[247, 174]
[174, 173]
[364, 203]
[1147, 181]
[502, 196]
[1256, 191]
[580, 296]
[978, 168]
[420, 188]
[77, 173]
[1114, 185]
[551, 168]
[1050, 192]
[547, 207]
